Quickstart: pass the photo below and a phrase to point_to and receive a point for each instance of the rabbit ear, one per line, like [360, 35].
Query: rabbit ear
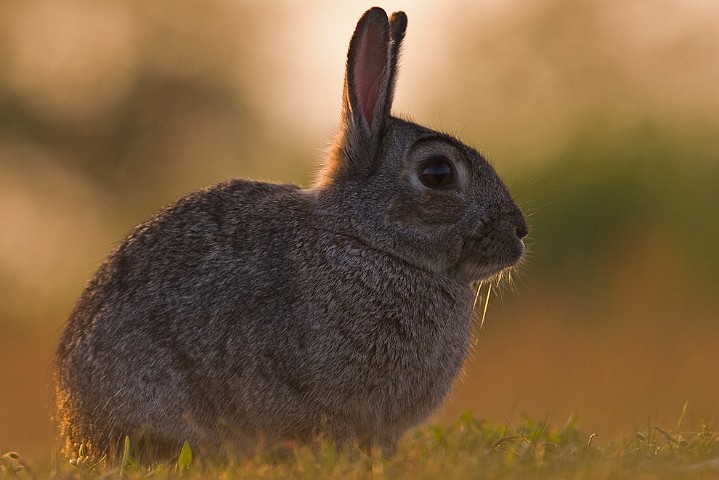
[372, 67]
[397, 26]
[368, 91]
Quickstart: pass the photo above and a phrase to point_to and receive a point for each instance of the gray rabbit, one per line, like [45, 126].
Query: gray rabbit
[254, 312]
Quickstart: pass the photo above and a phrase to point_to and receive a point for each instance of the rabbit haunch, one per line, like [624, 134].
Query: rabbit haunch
[252, 310]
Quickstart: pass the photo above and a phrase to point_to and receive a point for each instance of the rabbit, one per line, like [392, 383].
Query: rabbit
[257, 313]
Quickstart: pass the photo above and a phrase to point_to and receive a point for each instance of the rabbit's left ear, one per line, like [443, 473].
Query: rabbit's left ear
[368, 91]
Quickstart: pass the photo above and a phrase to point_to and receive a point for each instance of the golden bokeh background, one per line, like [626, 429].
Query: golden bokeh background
[602, 116]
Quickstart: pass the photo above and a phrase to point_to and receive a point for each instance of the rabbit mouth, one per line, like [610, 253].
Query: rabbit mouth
[487, 255]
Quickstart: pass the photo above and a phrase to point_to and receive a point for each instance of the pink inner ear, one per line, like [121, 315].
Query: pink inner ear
[370, 61]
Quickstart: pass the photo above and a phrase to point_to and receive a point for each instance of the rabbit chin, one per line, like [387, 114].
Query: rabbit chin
[472, 272]
[480, 268]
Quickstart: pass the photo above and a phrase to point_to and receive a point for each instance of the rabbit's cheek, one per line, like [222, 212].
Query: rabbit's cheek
[427, 211]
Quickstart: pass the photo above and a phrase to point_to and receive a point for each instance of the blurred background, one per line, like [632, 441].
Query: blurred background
[601, 115]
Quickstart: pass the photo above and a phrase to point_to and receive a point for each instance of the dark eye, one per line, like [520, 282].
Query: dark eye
[436, 172]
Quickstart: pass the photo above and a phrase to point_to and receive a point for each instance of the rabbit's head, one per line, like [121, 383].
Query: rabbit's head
[412, 192]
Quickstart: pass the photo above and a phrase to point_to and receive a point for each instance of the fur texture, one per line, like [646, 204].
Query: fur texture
[254, 311]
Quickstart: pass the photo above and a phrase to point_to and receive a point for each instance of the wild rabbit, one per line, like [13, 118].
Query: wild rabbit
[253, 311]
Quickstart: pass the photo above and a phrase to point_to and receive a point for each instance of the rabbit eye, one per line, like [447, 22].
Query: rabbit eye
[437, 172]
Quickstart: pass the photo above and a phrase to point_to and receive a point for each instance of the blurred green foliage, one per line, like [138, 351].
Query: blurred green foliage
[606, 188]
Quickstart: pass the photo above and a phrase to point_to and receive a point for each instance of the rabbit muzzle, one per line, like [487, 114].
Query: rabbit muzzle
[495, 246]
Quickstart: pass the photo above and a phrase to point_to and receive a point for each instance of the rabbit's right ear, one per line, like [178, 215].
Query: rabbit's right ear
[368, 92]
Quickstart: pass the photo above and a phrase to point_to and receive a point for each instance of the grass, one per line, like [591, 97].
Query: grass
[470, 448]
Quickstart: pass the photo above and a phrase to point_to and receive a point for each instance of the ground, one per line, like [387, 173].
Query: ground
[470, 448]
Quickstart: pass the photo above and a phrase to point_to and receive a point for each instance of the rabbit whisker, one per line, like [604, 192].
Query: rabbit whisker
[476, 297]
[486, 303]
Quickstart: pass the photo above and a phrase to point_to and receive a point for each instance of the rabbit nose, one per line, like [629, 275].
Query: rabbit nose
[522, 231]
[521, 228]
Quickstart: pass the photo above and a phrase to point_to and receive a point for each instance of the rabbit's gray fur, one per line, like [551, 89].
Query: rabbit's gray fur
[254, 311]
